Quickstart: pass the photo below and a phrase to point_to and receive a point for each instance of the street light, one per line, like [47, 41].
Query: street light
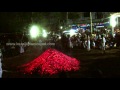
[34, 31]
[61, 27]
[113, 21]
[72, 32]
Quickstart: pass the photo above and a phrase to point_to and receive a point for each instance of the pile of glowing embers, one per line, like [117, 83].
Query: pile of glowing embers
[49, 63]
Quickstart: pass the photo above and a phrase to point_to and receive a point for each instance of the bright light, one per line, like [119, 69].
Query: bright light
[59, 37]
[34, 31]
[44, 33]
[72, 32]
[61, 27]
[112, 21]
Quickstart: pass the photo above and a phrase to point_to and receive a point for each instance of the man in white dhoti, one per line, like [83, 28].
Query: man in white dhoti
[21, 49]
[1, 64]
[70, 43]
[88, 43]
[103, 43]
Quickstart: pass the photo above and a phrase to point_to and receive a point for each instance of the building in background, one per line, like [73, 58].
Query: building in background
[84, 17]
[98, 19]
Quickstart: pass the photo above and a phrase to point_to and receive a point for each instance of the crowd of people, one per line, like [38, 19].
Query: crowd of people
[102, 40]
[99, 39]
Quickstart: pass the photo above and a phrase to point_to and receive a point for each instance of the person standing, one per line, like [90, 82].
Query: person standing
[21, 49]
[88, 43]
[70, 42]
[103, 43]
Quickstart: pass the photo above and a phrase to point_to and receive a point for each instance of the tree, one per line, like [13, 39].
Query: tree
[73, 15]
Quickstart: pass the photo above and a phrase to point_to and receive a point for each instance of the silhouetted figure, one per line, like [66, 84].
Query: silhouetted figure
[117, 38]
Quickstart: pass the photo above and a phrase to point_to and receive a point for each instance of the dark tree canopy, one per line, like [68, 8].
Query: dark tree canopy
[16, 21]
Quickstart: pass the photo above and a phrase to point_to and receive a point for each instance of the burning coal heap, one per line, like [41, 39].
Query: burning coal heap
[50, 62]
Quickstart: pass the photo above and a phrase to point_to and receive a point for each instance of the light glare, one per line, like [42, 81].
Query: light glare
[44, 33]
[72, 32]
[112, 21]
[34, 31]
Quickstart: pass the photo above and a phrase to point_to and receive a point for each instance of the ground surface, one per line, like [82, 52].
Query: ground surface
[94, 64]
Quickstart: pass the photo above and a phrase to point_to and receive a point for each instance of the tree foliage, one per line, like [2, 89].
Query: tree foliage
[16, 21]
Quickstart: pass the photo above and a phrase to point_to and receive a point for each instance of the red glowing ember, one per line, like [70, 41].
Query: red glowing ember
[51, 62]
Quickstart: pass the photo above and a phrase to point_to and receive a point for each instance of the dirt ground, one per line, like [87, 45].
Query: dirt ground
[93, 64]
